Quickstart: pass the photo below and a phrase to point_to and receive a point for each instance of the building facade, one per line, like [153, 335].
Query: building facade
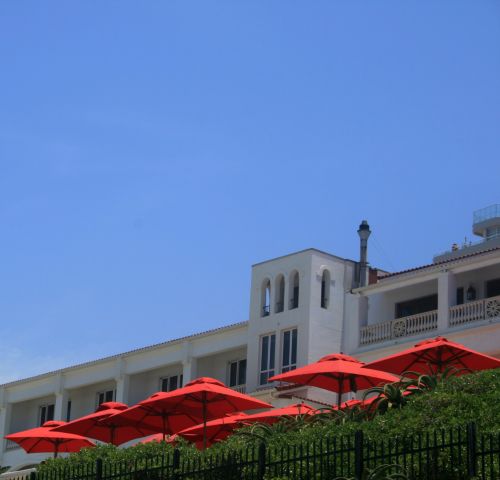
[302, 306]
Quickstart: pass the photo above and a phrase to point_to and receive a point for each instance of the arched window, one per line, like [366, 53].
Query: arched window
[266, 298]
[280, 294]
[294, 290]
[325, 289]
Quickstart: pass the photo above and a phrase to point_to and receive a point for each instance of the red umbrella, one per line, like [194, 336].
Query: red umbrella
[214, 430]
[44, 439]
[337, 373]
[273, 415]
[437, 353]
[101, 425]
[155, 416]
[200, 400]
[221, 428]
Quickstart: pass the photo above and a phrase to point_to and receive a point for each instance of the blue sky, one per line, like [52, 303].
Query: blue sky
[151, 152]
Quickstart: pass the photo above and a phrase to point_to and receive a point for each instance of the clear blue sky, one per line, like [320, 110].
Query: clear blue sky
[151, 152]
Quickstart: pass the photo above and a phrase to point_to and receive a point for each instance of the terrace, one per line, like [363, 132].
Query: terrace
[435, 302]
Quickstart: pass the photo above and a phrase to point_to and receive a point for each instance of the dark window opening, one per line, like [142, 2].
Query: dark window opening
[238, 373]
[280, 289]
[171, 383]
[294, 299]
[107, 396]
[289, 358]
[417, 305]
[493, 288]
[266, 299]
[267, 353]
[68, 411]
[460, 295]
[46, 413]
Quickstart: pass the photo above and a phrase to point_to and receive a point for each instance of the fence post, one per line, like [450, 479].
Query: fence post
[471, 450]
[176, 463]
[32, 475]
[358, 455]
[98, 469]
[261, 465]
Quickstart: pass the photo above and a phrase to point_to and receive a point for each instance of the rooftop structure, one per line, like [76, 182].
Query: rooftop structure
[485, 224]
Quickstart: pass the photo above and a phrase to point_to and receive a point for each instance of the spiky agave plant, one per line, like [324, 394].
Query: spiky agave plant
[429, 381]
[390, 395]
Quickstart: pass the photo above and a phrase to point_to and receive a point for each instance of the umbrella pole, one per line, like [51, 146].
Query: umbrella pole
[204, 420]
[163, 427]
[339, 399]
[56, 448]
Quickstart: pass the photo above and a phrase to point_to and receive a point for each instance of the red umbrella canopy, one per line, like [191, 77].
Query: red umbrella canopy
[221, 428]
[155, 417]
[436, 354]
[273, 415]
[45, 439]
[337, 373]
[209, 395]
[200, 400]
[101, 425]
[214, 430]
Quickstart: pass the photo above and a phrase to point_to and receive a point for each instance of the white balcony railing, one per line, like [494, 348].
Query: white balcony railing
[239, 388]
[10, 445]
[400, 327]
[484, 309]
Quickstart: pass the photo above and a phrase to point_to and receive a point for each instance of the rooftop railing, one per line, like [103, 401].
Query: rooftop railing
[486, 213]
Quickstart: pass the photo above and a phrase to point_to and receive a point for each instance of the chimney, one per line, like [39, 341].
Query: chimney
[363, 232]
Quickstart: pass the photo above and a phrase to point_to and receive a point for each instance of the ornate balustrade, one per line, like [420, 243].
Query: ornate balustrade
[484, 309]
[470, 312]
[400, 327]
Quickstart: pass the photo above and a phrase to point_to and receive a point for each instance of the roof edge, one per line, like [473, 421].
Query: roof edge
[311, 249]
[127, 353]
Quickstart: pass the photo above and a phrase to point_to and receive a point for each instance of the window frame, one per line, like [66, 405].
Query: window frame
[168, 378]
[105, 395]
[43, 412]
[270, 360]
[292, 349]
[238, 374]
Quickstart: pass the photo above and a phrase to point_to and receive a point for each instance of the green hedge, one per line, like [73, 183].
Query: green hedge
[457, 401]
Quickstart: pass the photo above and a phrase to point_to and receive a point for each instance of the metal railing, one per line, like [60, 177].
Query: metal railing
[484, 309]
[431, 455]
[400, 327]
[486, 213]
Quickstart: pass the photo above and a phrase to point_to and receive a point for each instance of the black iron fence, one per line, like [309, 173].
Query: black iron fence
[452, 454]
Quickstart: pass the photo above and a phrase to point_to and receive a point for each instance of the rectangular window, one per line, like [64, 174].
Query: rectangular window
[46, 413]
[294, 302]
[68, 411]
[267, 354]
[289, 349]
[415, 306]
[167, 384]
[238, 373]
[493, 288]
[460, 295]
[105, 396]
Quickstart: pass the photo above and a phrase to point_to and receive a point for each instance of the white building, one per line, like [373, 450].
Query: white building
[302, 306]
